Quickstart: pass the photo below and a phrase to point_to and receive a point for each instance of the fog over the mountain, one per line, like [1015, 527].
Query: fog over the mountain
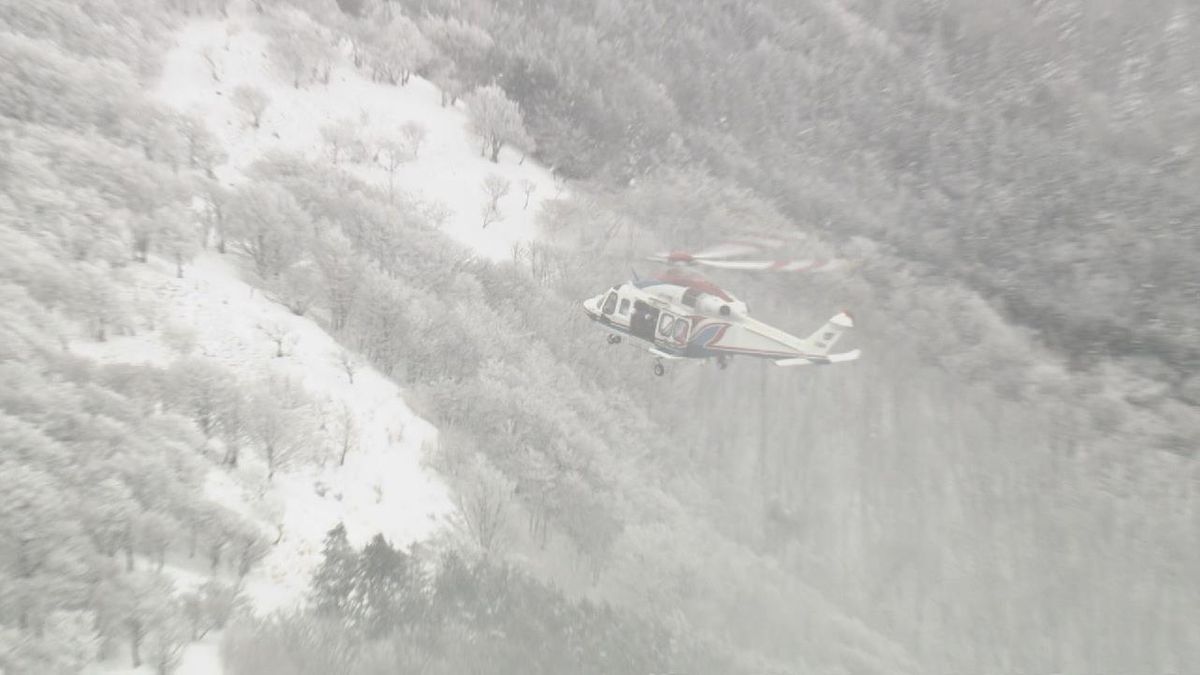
[476, 336]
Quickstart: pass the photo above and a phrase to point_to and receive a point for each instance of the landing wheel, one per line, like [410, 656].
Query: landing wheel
[614, 339]
[659, 369]
[722, 362]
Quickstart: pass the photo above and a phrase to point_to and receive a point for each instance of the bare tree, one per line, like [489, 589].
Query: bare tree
[213, 217]
[394, 152]
[413, 133]
[483, 505]
[495, 187]
[203, 150]
[345, 431]
[528, 187]
[278, 414]
[279, 335]
[349, 364]
[341, 136]
[214, 68]
[165, 642]
[252, 101]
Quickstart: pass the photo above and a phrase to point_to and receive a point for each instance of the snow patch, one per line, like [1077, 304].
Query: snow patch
[448, 170]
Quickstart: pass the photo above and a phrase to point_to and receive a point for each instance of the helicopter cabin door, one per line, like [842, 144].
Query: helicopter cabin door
[643, 320]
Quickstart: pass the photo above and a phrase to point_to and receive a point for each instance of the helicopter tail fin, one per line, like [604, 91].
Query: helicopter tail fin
[823, 340]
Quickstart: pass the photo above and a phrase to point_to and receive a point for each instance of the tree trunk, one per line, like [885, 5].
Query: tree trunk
[129, 554]
[496, 145]
[135, 642]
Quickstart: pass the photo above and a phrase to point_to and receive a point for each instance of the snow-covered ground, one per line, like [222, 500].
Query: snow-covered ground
[448, 169]
[383, 487]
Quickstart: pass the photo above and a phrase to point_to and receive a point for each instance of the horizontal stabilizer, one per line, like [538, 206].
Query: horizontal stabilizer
[820, 359]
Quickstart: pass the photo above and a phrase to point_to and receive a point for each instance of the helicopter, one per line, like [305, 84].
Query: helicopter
[679, 315]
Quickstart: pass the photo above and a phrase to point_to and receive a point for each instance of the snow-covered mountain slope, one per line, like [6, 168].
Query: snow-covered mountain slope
[382, 488]
[448, 169]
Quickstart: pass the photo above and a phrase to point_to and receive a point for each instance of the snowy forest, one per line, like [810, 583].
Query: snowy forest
[295, 380]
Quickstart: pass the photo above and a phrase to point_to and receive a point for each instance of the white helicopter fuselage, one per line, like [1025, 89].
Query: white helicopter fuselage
[694, 319]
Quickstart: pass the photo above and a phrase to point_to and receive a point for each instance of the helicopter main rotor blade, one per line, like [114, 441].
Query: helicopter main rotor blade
[729, 249]
[773, 265]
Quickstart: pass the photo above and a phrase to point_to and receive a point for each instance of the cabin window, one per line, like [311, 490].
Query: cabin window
[690, 296]
[610, 303]
[681, 331]
[665, 324]
[624, 306]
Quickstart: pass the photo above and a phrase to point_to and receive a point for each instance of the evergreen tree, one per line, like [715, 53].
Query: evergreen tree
[333, 581]
[387, 592]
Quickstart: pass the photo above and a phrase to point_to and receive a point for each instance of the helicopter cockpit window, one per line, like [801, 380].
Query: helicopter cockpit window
[610, 303]
[624, 306]
[665, 324]
[681, 331]
[690, 296]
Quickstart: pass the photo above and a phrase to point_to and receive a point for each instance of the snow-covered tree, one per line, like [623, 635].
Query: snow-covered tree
[462, 62]
[203, 150]
[299, 46]
[153, 533]
[210, 607]
[213, 217]
[178, 237]
[167, 638]
[269, 226]
[341, 271]
[129, 606]
[497, 120]
[400, 50]
[387, 589]
[340, 137]
[413, 134]
[279, 422]
[201, 389]
[298, 288]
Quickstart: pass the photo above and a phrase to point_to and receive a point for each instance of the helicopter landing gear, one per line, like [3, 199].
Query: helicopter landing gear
[614, 339]
[722, 362]
[659, 368]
